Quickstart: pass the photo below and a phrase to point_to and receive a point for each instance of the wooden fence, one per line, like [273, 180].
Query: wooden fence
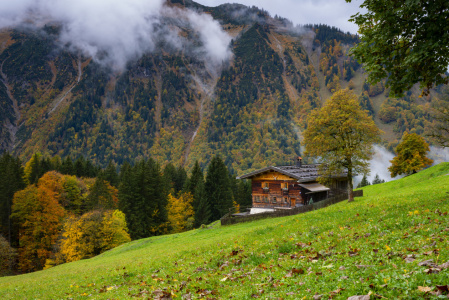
[230, 219]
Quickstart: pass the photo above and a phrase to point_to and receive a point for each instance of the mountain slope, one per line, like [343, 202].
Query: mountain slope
[374, 244]
[175, 106]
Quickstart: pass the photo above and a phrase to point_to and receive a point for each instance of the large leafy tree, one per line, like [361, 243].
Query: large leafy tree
[411, 155]
[342, 135]
[39, 214]
[404, 42]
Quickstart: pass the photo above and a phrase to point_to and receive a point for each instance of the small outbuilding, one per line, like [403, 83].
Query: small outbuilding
[286, 187]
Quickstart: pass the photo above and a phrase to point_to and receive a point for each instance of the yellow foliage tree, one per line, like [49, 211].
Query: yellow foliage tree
[180, 212]
[93, 233]
[341, 133]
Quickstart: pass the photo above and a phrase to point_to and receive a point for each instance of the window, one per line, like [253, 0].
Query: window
[285, 199]
[284, 186]
[265, 199]
[265, 184]
[274, 200]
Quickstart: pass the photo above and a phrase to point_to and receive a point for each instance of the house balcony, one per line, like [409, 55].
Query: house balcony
[265, 190]
[285, 191]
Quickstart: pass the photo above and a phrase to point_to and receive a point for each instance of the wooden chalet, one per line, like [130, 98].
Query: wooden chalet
[286, 187]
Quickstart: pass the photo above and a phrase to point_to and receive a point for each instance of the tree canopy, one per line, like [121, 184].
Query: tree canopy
[405, 43]
[342, 135]
[411, 155]
[439, 131]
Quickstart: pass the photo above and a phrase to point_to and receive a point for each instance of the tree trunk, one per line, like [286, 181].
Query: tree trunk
[350, 190]
[350, 186]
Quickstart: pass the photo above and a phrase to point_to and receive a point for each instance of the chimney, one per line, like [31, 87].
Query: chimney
[299, 161]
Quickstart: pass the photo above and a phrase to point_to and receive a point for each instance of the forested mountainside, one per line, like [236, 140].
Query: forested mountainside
[176, 108]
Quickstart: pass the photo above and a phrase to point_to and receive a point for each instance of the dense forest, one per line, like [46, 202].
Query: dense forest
[54, 211]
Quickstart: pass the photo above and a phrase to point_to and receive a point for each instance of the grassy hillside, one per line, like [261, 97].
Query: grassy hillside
[373, 245]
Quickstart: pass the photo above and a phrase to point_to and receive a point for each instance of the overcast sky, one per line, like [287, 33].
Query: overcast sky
[330, 12]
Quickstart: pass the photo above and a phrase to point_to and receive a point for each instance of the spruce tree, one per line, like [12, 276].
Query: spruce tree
[11, 181]
[364, 182]
[218, 189]
[110, 174]
[79, 167]
[192, 183]
[377, 180]
[67, 167]
[202, 211]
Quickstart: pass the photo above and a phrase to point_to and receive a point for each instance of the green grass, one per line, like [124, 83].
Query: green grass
[350, 248]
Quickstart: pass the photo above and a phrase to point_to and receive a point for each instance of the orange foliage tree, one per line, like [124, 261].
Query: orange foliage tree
[39, 213]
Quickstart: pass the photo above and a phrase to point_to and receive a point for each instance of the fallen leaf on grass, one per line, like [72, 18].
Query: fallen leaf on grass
[294, 271]
[317, 297]
[409, 259]
[443, 288]
[424, 289]
[336, 292]
[432, 271]
[444, 266]
[359, 297]
[427, 263]
[363, 266]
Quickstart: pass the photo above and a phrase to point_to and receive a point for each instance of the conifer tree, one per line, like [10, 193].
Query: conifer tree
[11, 181]
[377, 179]
[110, 174]
[79, 167]
[218, 189]
[191, 183]
[67, 167]
[202, 210]
[364, 182]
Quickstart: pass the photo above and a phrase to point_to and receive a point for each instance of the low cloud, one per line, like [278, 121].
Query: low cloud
[114, 32]
[379, 165]
[439, 155]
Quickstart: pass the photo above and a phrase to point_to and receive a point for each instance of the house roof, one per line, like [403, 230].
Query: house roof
[303, 173]
[314, 187]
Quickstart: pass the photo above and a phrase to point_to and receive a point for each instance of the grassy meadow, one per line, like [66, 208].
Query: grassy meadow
[373, 245]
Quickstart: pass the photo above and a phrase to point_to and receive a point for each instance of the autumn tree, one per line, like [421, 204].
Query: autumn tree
[93, 233]
[180, 212]
[405, 43]
[102, 195]
[8, 257]
[411, 155]
[341, 134]
[39, 213]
